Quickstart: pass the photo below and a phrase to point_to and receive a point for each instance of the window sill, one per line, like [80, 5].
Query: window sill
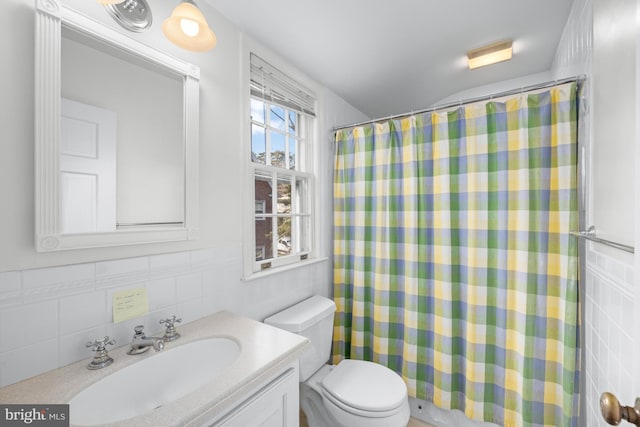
[282, 269]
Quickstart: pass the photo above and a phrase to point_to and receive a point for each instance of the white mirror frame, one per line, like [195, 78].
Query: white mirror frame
[51, 16]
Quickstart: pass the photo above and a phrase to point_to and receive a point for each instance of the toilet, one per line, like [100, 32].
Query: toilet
[353, 393]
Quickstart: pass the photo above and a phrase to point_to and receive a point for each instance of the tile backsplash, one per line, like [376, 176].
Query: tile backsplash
[609, 306]
[48, 315]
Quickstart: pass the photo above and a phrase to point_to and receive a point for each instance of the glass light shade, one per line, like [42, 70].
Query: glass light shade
[491, 54]
[188, 28]
[110, 1]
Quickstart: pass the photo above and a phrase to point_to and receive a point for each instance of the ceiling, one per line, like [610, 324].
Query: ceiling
[388, 57]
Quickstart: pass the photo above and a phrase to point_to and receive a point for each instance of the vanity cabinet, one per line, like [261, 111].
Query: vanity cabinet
[274, 403]
[258, 387]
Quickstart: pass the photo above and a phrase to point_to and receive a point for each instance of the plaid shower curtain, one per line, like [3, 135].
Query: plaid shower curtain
[453, 263]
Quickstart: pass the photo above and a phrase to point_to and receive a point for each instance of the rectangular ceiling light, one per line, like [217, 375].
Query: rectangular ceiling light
[486, 55]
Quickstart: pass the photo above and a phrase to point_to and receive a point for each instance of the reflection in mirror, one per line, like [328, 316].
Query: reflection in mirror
[116, 142]
[87, 168]
[146, 104]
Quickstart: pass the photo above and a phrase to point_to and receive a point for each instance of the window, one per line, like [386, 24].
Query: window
[280, 168]
[261, 209]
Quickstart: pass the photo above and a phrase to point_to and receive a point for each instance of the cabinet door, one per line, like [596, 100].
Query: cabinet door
[274, 405]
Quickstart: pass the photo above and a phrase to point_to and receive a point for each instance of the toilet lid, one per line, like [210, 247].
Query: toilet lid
[366, 386]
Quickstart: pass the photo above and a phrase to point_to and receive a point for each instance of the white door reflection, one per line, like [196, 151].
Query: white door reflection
[87, 168]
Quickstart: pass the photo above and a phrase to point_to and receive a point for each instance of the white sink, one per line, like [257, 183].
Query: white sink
[152, 382]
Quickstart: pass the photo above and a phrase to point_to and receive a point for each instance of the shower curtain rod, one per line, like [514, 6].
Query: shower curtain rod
[544, 85]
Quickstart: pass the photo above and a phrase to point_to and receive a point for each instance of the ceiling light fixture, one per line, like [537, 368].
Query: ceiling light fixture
[188, 28]
[490, 54]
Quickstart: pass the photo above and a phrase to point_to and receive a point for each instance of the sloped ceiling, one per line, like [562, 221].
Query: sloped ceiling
[388, 57]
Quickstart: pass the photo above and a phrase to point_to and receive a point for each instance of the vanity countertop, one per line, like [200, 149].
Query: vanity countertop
[265, 351]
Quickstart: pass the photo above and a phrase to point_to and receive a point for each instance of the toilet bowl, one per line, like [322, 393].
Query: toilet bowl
[353, 393]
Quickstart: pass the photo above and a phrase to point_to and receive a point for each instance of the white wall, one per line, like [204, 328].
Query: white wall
[51, 304]
[599, 34]
[496, 88]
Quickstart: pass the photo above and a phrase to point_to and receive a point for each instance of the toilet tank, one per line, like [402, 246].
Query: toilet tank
[313, 319]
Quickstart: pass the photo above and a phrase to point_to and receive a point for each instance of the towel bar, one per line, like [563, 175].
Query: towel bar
[590, 234]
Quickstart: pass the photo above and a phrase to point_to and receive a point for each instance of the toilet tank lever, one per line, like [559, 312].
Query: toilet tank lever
[613, 412]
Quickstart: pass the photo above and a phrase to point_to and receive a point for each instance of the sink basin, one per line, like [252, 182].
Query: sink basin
[153, 382]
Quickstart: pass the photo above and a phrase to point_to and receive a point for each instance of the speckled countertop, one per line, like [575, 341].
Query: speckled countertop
[264, 351]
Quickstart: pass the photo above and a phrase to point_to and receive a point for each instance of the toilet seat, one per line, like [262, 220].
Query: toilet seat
[365, 389]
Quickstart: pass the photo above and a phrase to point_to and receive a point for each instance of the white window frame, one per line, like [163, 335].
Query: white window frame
[304, 159]
[262, 209]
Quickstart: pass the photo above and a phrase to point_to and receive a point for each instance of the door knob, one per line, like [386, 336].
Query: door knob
[613, 412]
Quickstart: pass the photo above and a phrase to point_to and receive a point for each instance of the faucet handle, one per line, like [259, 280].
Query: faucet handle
[170, 334]
[100, 345]
[169, 322]
[139, 330]
[101, 358]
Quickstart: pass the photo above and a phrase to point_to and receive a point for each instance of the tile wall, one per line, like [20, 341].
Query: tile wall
[608, 298]
[47, 315]
[609, 307]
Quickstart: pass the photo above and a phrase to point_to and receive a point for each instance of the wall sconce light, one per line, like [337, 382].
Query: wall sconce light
[188, 28]
[132, 15]
[490, 54]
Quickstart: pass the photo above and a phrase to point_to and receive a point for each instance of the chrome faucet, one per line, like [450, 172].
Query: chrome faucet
[141, 343]
[102, 358]
[170, 334]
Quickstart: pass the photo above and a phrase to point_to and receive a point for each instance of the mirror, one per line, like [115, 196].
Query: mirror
[116, 137]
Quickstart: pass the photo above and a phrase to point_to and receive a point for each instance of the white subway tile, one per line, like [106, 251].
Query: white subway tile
[83, 311]
[211, 280]
[605, 303]
[615, 308]
[214, 302]
[616, 270]
[73, 347]
[224, 275]
[628, 309]
[189, 287]
[54, 282]
[597, 289]
[602, 262]
[630, 276]
[55, 275]
[10, 288]
[588, 284]
[628, 391]
[72, 305]
[169, 262]
[28, 361]
[190, 310]
[203, 258]
[155, 327]
[28, 324]
[162, 293]
[122, 267]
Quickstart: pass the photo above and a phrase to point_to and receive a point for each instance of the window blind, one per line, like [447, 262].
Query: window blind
[272, 85]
